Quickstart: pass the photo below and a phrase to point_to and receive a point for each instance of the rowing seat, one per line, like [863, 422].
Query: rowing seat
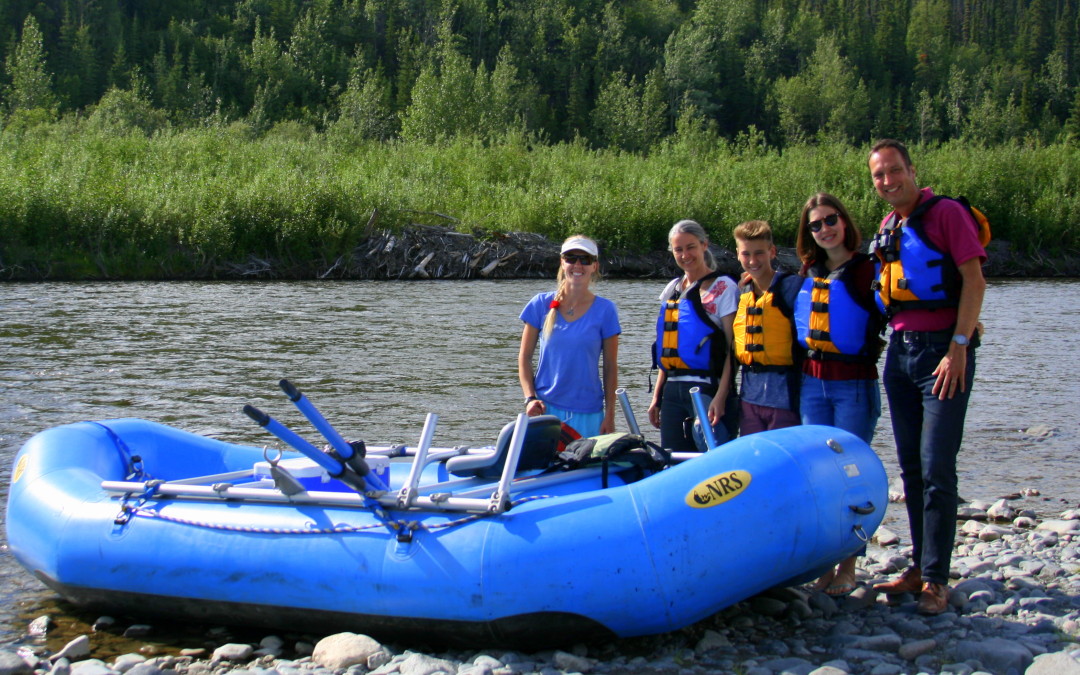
[537, 452]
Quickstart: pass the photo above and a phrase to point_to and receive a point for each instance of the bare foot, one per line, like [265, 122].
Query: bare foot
[826, 579]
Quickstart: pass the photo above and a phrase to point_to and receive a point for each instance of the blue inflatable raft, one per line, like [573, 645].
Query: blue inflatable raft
[481, 547]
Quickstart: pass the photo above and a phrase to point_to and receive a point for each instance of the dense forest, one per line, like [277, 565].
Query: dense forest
[173, 139]
[622, 75]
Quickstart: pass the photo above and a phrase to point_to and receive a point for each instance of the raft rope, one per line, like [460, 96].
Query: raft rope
[404, 528]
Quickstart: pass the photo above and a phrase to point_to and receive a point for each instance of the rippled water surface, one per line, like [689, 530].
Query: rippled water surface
[375, 357]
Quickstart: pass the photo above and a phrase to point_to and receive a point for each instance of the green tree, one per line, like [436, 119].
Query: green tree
[366, 106]
[630, 115]
[928, 42]
[31, 82]
[125, 110]
[827, 99]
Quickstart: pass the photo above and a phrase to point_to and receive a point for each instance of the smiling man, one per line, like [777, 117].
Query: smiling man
[930, 286]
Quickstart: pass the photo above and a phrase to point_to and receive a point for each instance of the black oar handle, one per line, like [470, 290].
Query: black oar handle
[259, 417]
[292, 392]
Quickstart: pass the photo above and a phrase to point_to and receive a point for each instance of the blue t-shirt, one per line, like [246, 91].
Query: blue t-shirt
[770, 389]
[568, 375]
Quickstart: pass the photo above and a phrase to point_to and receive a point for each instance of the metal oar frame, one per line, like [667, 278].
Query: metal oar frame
[465, 495]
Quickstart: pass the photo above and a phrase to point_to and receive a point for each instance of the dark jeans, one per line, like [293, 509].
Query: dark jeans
[928, 433]
[677, 416]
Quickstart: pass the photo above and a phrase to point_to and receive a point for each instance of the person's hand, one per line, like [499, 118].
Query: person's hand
[608, 425]
[950, 372]
[535, 407]
[716, 409]
[654, 414]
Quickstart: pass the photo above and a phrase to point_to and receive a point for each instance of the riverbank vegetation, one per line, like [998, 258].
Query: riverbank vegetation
[168, 140]
[87, 204]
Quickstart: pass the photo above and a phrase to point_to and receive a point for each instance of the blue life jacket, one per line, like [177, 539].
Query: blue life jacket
[830, 323]
[687, 341]
[913, 273]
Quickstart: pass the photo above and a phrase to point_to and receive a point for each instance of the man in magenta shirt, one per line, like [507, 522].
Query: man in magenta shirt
[931, 287]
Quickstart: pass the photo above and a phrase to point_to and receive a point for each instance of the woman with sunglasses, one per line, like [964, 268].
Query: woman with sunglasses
[694, 332]
[574, 328]
[839, 326]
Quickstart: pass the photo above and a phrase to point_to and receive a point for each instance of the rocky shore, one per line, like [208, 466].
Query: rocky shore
[1014, 608]
[428, 252]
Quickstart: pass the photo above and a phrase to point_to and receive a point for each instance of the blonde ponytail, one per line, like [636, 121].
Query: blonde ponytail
[560, 294]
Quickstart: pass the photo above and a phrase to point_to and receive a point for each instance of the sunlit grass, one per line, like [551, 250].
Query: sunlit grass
[81, 203]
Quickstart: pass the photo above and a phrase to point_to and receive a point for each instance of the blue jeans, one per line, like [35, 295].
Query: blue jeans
[677, 416]
[928, 434]
[851, 405]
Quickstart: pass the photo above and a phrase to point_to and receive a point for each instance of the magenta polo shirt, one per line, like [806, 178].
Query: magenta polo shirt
[951, 228]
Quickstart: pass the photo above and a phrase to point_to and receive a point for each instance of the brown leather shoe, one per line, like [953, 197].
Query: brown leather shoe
[934, 598]
[908, 582]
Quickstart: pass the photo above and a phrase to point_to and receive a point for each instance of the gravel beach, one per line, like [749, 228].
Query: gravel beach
[1014, 608]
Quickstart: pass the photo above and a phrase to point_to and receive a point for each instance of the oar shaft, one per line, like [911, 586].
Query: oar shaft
[336, 441]
[702, 410]
[317, 420]
[332, 466]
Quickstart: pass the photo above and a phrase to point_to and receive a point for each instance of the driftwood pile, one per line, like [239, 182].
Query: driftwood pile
[429, 252]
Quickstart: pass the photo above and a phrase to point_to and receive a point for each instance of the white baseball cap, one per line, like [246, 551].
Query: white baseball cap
[580, 244]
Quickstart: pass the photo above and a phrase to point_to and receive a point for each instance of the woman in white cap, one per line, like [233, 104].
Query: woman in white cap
[574, 328]
[693, 333]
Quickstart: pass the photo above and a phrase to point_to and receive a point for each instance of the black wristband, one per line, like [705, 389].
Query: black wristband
[530, 399]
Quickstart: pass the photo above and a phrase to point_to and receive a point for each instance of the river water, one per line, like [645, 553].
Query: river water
[375, 357]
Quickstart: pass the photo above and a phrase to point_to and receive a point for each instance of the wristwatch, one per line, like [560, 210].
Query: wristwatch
[530, 399]
[960, 340]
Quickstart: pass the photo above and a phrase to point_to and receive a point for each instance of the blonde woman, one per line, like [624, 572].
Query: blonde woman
[576, 330]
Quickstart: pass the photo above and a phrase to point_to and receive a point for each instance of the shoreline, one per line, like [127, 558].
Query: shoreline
[427, 252]
[1014, 607]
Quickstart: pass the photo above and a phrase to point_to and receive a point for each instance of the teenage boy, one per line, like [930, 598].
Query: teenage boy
[931, 289]
[765, 334]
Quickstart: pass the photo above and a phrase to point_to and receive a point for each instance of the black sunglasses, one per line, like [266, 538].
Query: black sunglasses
[830, 220]
[571, 258]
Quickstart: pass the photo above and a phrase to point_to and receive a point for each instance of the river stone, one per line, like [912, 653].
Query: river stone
[144, 669]
[1001, 510]
[91, 667]
[768, 606]
[39, 626]
[138, 630]
[711, 640]
[74, 650]
[886, 537]
[343, 650]
[968, 512]
[909, 651]
[1060, 526]
[972, 527]
[997, 655]
[13, 664]
[1058, 663]
[126, 662]
[233, 651]
[572, 663]
[422, 664]
[993, 532]
[791, 664]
